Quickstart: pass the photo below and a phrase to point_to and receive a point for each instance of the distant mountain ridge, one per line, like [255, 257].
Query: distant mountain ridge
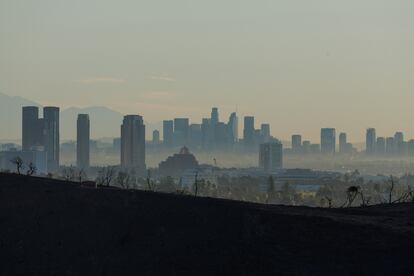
[105, 122]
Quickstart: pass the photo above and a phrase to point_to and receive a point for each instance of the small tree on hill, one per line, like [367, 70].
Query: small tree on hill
[18, 162]
[32, 169]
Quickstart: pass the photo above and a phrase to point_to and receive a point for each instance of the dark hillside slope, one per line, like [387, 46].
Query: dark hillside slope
[54, 227]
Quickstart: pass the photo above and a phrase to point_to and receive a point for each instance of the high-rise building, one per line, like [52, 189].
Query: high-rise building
[248, 131]
[30, 127]
[168, 132]
[133, 143]
[271, 156]
[342, 142]
[82, 141]
[195, 136]
[399, 143]
[370, 141]
[156, 137]
[214, 116]
[328, 140]
[233, 127]
[181, 129]
[306, 147]
[380, 146]
[265, 132]
[389, 145]
[42, 133]
[51, 136]
[296, 143]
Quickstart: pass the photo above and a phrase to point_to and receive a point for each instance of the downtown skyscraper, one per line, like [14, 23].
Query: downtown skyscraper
[133, 144]
[328, 140]
[82, 141]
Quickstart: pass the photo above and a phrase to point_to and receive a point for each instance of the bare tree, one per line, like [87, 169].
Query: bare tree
[391, 189]
[18, 162]
[32, 169]
[351, 193]
[123, 180]
[150, 183]
[68, 173]
[81, 175]
[196, 184]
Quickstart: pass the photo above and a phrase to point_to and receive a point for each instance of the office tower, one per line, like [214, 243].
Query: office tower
[380, 146]
[410, 147]
[181, 127]
[133, 143]
[30, 127]
[296, 143]
[207, 135]
[221, 137]
[195, 136]
[306, 147]
[389, 145]
[248, 131]
[168, 132]
[233, 127]
[214, 116]
[51, 136]
[271, 156]
[156, 137]
[265, 132]
[328, 140]
[399, 143]
[370, 141]
[342, 142]
[82, 141]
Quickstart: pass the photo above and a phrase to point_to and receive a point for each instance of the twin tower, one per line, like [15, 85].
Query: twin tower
[42, 134]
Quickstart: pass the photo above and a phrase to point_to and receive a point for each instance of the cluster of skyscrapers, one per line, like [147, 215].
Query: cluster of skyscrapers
[212, 134]
[395, 145]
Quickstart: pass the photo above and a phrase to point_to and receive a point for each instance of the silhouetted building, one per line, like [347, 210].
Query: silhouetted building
[328, 140]
[168, 132]
[306, 147]
[248, 131]
[175, 165]
[195, 135]
[380, 146]
[296, 143]
[156, 137]
[133, 143]
[207, 134]
[399, 143]
[265, 133]
[271, 156]
[31, 130]
[233, 128]
[51, 136]
[181, 129]
[342, 142]
[370, 141]
[82, 142]
[389, 145]
[214, 116]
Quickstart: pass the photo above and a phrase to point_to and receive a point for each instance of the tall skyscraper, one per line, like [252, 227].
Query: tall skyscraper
[328, 140]
[133, 143]
[82, 142]
[380, 146]
[399, 143]
[265, 132]
[389, 145]
[214, 116]
[342, 142]
[51, 136]
[233, 127]
[370, 141]
[195, 136]
[248, 131]
[30, 127]
[271, 156]
[156, 137]
[168, 132]
[181, 129]
[296, 143]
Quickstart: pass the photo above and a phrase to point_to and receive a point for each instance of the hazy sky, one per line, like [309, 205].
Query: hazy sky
[299, 65]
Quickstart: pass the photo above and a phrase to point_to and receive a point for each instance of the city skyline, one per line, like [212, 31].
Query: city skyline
[300, 66]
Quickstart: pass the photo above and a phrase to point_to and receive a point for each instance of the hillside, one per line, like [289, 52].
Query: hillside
[55, 227]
